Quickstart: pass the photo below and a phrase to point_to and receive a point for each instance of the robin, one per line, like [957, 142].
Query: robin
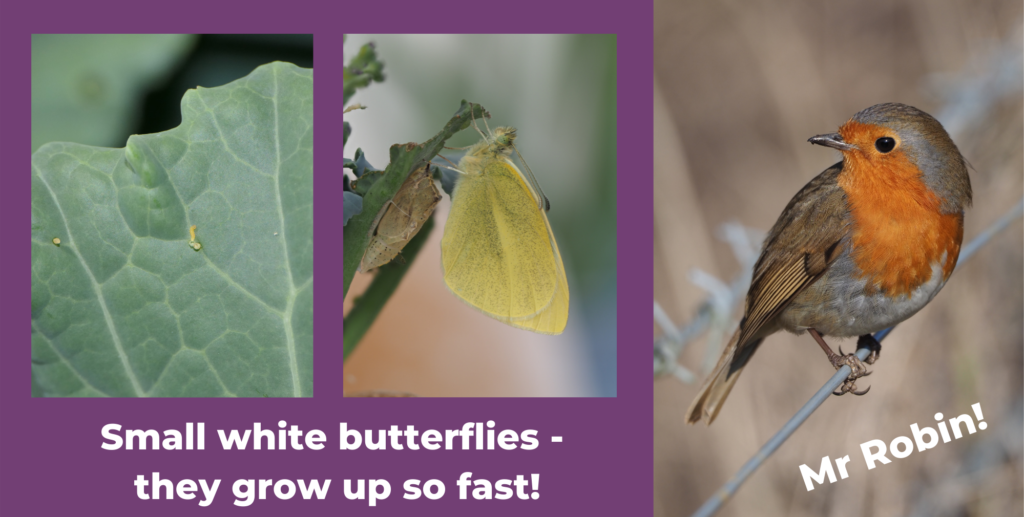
[862, 247]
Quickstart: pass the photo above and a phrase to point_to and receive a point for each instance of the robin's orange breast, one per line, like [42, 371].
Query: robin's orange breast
[898, 253]
[898, 233]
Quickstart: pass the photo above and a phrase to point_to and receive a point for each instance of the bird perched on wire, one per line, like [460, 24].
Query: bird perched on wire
[862, 247]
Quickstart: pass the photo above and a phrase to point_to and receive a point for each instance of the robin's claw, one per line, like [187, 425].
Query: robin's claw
[849, 386]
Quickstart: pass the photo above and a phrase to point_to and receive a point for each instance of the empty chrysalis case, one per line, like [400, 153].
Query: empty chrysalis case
[400, 219]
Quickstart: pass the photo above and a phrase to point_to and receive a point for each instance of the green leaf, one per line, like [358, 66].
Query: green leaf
[366, 309]
[366, 174]
[125, 307]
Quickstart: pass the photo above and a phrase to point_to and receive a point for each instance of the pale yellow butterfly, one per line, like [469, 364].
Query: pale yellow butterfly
[498, 252]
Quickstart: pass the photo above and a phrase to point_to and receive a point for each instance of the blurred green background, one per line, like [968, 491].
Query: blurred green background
[97, 89]
[559, 92]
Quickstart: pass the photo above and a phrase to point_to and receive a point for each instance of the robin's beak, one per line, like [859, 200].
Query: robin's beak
[833, 140]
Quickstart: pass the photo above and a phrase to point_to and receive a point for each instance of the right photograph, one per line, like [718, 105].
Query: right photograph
[837, 216]
[480, 216]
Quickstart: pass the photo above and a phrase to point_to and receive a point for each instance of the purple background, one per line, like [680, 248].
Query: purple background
[50, 455]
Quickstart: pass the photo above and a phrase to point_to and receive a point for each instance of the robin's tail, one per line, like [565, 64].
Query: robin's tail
[718, 385]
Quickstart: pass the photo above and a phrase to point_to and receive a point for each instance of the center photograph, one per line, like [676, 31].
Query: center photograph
[480, 216]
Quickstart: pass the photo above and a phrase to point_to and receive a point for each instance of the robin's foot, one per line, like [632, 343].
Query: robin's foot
[868, 341]
[857, 370]
[857, 367]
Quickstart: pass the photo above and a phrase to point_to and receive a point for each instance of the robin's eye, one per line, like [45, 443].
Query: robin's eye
[885, 144]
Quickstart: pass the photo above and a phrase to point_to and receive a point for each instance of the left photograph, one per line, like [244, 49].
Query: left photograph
[172, 215]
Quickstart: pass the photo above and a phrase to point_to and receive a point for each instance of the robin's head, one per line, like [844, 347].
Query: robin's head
[901, 139]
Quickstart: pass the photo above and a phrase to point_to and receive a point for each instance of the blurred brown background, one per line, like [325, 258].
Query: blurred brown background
[739, 88]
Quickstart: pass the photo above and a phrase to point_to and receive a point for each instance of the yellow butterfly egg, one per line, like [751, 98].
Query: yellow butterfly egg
[498, 252]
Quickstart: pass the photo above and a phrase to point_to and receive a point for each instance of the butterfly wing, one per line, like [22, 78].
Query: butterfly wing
[498, 252]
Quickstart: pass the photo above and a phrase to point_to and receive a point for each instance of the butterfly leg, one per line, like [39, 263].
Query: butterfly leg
[486, 126]
[475, 126]
[452, 167]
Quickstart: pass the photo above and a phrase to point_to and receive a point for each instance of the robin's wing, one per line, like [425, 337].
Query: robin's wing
[805, 240]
